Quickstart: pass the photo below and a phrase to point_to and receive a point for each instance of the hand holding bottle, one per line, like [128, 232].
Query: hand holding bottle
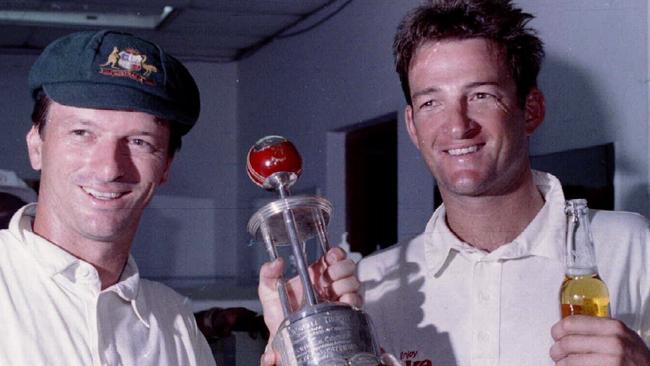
[586, 335]
[587, 340]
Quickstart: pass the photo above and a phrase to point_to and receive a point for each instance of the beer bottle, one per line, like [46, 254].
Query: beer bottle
[582, 292]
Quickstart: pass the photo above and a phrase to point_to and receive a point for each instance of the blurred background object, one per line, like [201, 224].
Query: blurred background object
[237, 335]
[14, 193]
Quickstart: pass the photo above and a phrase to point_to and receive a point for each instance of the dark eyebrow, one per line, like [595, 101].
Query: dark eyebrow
[85, 122]
[429, 90]
[481, 83]
[142, 133]
[156, 134]
[434, 89]
[71, 123]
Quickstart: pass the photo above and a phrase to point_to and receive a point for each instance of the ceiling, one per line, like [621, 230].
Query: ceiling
[202, 30]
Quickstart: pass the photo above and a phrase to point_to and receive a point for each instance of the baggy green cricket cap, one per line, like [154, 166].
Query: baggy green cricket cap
[114, 70]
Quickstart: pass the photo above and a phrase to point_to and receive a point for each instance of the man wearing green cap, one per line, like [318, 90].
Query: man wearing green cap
[110, 110]
[109, 113]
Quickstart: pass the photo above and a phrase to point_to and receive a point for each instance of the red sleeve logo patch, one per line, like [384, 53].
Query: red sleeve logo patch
[409, 358]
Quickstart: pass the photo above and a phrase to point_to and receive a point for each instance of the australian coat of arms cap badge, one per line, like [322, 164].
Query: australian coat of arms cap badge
[129, 63]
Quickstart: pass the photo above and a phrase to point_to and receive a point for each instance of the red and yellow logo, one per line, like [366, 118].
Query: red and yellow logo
[129, 63]
[410, 358]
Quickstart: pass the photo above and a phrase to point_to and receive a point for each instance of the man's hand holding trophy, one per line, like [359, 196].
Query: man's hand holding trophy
[316, 331]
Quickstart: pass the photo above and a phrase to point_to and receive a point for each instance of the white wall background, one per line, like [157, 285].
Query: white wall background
[341, 73]
[595, 78]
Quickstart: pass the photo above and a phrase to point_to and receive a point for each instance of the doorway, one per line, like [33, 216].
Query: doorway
[370, 183]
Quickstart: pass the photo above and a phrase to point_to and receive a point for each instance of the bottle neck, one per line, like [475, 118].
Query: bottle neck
[580, 253]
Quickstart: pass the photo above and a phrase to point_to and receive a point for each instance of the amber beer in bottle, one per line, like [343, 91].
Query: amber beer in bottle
[582, 292]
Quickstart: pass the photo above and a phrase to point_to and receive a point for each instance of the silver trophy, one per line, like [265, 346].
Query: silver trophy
[317, 333]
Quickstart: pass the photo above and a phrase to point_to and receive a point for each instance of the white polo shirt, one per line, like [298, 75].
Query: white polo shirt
[437, 301]
[53, 311]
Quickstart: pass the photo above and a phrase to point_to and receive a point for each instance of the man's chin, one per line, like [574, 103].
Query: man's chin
[105, 237]
[465, 184]
[107, 229]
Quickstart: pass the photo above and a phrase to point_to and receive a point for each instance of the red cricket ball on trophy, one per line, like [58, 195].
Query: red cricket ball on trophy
[271, 155]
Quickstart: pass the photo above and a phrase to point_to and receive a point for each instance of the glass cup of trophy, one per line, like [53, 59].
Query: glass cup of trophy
[317, 333]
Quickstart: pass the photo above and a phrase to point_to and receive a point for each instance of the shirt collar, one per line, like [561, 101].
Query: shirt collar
[439, 242]
[52, 259]
[129, 289]
[56, 262]
[546, 234]
[540, 238]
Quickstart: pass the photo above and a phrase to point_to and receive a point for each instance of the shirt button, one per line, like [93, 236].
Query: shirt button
[85, 272]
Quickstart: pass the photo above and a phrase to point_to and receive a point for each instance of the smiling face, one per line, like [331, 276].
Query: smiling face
[466, 118]
[99, 169]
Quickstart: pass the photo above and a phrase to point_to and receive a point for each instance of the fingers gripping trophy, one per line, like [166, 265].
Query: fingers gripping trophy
[317, 333]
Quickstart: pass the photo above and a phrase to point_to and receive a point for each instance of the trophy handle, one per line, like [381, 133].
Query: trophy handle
[299, 254]
[282, 283]
[321, 229]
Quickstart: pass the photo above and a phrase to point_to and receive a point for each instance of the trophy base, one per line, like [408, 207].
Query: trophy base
[327, 334]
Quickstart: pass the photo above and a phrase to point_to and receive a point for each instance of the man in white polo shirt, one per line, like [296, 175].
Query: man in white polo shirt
[104, 134]
[481, 285]
[110, 110]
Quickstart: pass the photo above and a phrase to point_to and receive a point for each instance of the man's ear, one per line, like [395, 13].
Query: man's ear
[165, 176]
[34, 147]
[534, 110]
[410, 125]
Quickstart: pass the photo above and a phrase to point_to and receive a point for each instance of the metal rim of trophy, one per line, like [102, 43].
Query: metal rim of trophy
[305, 210]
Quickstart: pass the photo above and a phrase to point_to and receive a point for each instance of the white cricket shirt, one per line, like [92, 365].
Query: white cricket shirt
[53, 311]
[437, 301]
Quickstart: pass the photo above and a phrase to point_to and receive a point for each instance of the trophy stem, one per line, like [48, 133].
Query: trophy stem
[284, 297]
[281, 182]
[282, 283]
[321, 229]
[298, 253]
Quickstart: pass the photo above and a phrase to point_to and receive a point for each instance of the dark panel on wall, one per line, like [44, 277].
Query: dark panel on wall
[371, 185]
[584, 173]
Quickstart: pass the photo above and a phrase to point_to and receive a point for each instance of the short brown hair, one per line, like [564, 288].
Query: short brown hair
[495, 20]
[42, 105]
